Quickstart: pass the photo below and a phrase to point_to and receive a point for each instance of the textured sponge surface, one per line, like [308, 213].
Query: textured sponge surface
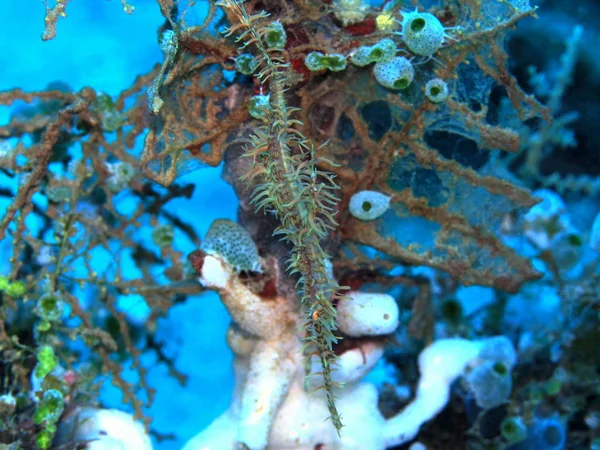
[233, 243]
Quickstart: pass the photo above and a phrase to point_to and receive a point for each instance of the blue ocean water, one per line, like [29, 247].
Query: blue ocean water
[98, 45]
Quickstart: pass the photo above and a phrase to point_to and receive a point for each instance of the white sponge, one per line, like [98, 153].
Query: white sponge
[106, 429]
[367, 314]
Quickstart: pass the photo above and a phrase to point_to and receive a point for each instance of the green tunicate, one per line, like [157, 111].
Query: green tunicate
[50, 408]
[552, 387]
[46, 361]
[15, 289]
[397, 73]
[369, 205]
[111, 118]
[275, 36]
[44, 439]
[50, 307]
[316, 61]
[490, 383]
[258, 106]
[361, 57]
[313, 61]
[163, 236]
[334, 62]
[246, 64]
[382, 51]
[513, 430]
[436, 90]
[423, 33]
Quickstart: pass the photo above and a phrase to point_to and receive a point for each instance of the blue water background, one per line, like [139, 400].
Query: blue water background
[98, 45]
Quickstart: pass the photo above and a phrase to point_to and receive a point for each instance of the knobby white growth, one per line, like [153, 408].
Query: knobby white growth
[367, 314]
[273, 408]
[105, 429]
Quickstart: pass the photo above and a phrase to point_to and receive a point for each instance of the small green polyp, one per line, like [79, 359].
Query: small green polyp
[316, 61]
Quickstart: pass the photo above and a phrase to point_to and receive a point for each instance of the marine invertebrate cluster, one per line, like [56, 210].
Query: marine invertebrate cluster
[391, 187]
[384, 50]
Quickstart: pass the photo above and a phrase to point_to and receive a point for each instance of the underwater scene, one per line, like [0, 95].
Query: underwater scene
[299, 225]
